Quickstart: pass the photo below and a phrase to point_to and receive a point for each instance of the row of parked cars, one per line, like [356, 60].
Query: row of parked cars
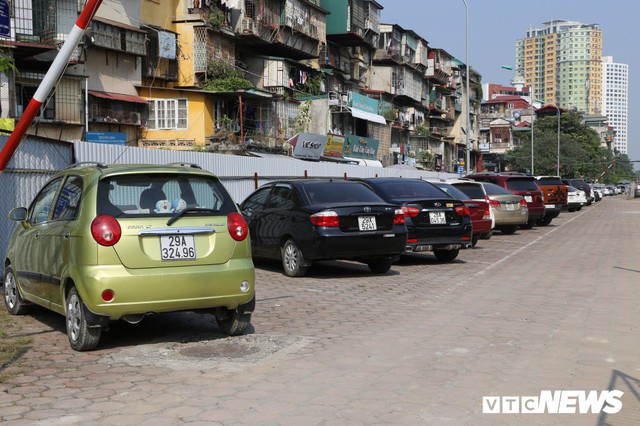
[103, 243]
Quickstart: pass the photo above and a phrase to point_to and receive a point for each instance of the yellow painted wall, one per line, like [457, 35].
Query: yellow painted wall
[160, 13]
[200, 121]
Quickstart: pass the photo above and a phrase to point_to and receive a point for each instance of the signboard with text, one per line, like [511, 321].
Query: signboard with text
[335, 144]
[361, 147]
[113, 138]
[364, 103]
[308, 146]
[5, 19]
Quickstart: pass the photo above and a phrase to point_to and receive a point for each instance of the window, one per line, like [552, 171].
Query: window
[280, 198]
[41, 206]
[135, 195]
[69, 200]
[256, 201]
[25, 93]
[167, 114]
[116, 38]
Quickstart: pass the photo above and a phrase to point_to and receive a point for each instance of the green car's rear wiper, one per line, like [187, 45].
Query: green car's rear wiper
[181, 213]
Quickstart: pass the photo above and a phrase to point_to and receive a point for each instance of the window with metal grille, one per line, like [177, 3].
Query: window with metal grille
[249, 9]
[115, 38]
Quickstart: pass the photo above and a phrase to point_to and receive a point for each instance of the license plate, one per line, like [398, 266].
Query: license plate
[550, 206]
[367, 223]
[528, 198]
[511, 206]
[437, 218]
[177, 247]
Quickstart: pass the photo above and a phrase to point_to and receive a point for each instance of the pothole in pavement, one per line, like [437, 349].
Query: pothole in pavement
[227, 354]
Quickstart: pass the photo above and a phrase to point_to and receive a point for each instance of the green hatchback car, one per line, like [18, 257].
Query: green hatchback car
[102, 243]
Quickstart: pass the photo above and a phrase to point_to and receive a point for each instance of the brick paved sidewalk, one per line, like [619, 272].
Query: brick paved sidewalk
[550, 308]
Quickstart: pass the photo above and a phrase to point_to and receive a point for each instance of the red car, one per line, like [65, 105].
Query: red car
[519, 184]
[479, 211]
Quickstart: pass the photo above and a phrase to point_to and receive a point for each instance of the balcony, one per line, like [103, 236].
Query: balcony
[332, 56]
[174, 144]
[114, 116]
[296, 33]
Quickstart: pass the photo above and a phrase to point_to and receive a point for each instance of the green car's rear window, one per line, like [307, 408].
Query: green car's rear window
[152, 194]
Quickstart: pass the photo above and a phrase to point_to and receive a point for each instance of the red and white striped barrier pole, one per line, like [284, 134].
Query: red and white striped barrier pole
[49, 81]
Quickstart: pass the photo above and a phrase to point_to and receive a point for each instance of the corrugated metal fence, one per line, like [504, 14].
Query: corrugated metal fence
[37, 159]
[239, 174]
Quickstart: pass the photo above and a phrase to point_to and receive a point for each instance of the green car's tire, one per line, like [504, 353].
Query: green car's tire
[81, 336]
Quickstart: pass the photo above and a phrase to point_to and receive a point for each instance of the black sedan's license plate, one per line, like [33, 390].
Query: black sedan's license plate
[177, 247]
[367, 223]
[437, 218]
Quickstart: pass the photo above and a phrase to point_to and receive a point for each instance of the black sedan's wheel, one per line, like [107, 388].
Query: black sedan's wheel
[12, 299]
[81, 336]
[292, 260]
[446, 255]
[380, 266]
[233, 323]
[527, 225]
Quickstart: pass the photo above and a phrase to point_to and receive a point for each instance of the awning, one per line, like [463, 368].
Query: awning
[118, 97]
[375, 118]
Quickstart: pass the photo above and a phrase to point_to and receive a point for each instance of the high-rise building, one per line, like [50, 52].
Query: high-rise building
[563, 63]
[615, 99]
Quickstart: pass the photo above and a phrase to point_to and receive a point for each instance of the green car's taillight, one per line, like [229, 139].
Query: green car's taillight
[237, 226]
[106, 230]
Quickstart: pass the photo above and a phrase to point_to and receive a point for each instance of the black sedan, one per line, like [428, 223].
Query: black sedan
[435, 221]
[301, 221]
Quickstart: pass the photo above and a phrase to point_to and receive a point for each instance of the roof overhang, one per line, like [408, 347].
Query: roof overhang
[118, 97]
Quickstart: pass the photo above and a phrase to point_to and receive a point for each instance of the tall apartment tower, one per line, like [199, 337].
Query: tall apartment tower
[615, 99]
[563, 63]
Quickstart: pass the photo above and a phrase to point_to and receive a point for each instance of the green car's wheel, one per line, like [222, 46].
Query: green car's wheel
[12, 298]
[81, 336]
[233, 323]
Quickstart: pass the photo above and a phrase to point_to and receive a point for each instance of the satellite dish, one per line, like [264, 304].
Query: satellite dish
[516, 114]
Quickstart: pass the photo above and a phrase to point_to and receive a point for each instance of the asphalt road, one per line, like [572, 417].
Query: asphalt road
[545, 310]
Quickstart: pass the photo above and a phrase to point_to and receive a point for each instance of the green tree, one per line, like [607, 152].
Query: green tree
[224, 77]
[581, 152]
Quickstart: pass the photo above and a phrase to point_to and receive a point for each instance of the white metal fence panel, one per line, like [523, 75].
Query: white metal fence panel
[33, 163]
[240, 173]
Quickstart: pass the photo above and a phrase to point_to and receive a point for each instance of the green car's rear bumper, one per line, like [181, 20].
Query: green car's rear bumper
[168, 289]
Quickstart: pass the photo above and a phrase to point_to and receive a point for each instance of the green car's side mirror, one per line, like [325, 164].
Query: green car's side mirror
[19, 214]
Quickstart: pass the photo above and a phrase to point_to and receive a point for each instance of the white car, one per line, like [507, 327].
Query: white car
[576, 198]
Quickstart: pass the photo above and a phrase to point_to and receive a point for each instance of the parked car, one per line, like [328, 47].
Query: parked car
[479, 211]
[519, 184]
[476, 192]
[555, 197]
[435, 222]
[307, 220]
[510, 210]
[102, 243]
[576, 199]
[583, 186]
[599, 191]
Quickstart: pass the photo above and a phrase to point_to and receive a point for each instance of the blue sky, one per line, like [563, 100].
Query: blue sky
[494, 26]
